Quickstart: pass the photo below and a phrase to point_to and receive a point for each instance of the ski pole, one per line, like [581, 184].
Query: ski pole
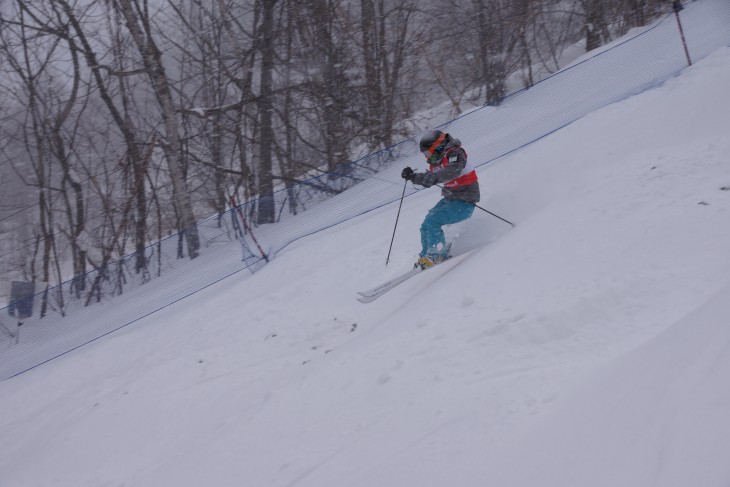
[495, 216]
[483, 209]
[396, 222]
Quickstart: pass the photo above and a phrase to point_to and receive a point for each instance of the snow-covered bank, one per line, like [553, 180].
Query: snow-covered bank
[655, 416]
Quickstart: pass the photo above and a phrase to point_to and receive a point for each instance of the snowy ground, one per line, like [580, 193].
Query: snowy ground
[589, 346]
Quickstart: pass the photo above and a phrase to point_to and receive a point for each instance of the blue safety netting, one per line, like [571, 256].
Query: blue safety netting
[116, 296]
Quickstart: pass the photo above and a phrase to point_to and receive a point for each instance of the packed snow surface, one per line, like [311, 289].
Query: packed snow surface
[588, 346]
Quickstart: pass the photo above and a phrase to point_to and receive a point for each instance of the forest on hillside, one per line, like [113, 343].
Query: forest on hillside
[124, 121]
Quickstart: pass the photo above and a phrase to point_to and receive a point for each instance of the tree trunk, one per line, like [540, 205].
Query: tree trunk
[152, 59]
[595, 26]
[266, 209]
[371, 62]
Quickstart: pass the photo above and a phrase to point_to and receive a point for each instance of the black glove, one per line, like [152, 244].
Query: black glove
[429, 179]
[677, 4]
[408, 174]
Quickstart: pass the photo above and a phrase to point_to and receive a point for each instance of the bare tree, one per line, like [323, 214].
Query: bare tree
[636, 13]
[119, 112]
[30, 63]
[551, 30]
[139, 24]
[267, 210]
[596, 23]
[494, 24]
[391, 44]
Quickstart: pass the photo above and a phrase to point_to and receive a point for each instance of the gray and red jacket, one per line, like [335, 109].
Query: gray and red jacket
[455, 174]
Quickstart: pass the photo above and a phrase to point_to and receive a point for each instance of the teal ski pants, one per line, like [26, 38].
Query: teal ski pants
[446, 212]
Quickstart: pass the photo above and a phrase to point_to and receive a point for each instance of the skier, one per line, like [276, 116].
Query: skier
[460, 191]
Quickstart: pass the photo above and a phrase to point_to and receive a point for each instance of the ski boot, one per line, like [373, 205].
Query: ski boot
[424, 262]
[434, 257]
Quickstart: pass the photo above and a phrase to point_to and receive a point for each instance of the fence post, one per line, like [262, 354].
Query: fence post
[677, 5]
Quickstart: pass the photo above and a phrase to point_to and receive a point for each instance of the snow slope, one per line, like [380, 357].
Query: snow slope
[587, 346]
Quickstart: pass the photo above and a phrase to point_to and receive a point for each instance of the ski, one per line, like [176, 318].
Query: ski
[379, 290]
[374, 293]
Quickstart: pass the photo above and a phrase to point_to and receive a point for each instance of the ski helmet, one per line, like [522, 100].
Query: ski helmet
[432, 145]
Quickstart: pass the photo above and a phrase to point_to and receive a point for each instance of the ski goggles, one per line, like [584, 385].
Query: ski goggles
[433, 152]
